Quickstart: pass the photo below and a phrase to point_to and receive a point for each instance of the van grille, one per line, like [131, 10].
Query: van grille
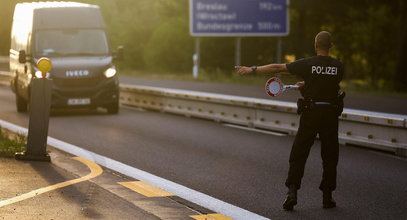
[77, 82]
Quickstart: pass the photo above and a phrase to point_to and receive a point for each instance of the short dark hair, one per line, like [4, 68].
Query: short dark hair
[323, 40]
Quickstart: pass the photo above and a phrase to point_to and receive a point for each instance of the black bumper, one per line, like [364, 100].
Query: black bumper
[101, 93]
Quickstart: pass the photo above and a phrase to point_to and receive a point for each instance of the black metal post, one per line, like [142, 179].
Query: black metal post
[39, 120]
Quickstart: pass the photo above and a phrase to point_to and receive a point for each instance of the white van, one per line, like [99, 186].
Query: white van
[73, 36]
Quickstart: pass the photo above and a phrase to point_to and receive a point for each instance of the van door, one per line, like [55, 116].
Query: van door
[24, 73]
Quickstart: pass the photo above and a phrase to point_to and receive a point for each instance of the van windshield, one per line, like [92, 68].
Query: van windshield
[71, 42]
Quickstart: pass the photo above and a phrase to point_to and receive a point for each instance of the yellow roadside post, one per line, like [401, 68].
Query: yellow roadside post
[39, 107]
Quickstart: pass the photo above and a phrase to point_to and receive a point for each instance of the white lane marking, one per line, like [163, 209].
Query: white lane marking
[191, 195]
[255, 130]
[95, 170]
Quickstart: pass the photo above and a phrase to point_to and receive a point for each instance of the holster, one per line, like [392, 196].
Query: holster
[339, 103]
[303, 105]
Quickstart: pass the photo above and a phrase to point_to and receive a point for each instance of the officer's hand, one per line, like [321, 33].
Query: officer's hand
[300, 84]
[243, 70]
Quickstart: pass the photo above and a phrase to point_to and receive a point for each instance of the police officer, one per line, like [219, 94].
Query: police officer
[319, 109]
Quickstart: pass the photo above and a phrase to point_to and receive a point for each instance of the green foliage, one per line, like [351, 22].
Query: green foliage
[371, 51]
[155, 35]
[9, 147]
[169, 48]
[217, 53]
[6, 12]
[130, 24]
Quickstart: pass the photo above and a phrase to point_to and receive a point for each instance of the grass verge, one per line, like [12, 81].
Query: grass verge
[9, 147]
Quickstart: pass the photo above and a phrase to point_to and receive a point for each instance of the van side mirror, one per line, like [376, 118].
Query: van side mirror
[22, 56]
[119, 53]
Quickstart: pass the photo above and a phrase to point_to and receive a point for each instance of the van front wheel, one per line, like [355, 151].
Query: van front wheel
[21, 104]
[113, 108]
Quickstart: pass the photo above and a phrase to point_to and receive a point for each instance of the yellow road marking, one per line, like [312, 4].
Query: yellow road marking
[95, 170]
[146, 189]
[211, 217]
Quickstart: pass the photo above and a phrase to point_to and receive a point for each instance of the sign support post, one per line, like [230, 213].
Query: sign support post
[238, 51]
[196, 58]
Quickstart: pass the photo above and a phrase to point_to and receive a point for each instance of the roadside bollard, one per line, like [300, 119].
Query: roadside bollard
[39, 108]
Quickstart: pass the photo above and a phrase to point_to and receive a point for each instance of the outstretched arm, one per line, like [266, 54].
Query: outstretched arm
[266, 69]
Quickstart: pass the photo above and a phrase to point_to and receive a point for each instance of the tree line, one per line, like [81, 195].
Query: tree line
[370, 36]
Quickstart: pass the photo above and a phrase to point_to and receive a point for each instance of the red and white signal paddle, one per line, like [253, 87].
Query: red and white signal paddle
[274, 87]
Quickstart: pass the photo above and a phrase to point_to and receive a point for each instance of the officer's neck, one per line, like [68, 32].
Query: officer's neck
[322, 52]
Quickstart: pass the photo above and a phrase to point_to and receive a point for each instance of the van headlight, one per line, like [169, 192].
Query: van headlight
[38, 74]
[109, 73]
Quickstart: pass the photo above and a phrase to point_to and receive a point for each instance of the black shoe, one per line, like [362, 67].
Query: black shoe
[327, 201]
[291, 199]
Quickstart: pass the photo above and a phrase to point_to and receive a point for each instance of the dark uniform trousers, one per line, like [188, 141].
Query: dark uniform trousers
[321, 119]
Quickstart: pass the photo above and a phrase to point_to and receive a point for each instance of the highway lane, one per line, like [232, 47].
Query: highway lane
[244, 168]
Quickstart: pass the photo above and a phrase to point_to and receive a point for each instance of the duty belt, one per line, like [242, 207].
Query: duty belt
[318, 102]
[322, 103]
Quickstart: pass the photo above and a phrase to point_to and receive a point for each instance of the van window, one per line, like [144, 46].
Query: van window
[71, 42]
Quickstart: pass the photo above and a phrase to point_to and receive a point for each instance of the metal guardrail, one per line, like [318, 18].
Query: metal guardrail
[374, 130]
[5, 78]
[370, 129]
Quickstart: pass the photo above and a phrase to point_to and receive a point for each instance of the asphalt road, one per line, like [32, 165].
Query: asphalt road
[244, 168]
[84, 200]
